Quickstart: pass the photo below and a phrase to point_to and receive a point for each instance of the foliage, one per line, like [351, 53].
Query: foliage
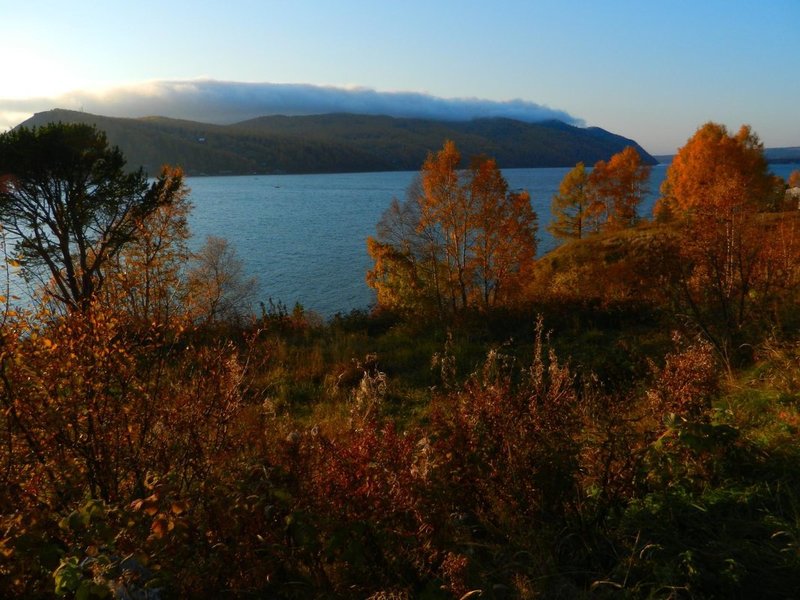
[606, 198]
[736, 265]
[149, 453]
[460, 240]
[723, 265]
[737, 275]
[717, 172]
[617, 189]
[340, 143]
[146, 279]
[69, 202]
[218, 289]
[569, 206]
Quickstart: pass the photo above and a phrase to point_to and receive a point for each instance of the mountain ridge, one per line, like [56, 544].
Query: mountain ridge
[340, 142]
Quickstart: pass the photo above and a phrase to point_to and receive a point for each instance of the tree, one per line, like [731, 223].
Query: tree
[618, 188]
[736, 264]
[737, 277]
[717, 171]
[218, 289]
[505, 233]
[570, 205]
[606, 198]
[794, 179]
[146, 280]
[445, 211]
[68, 200]
[405, 275]
[461, 239]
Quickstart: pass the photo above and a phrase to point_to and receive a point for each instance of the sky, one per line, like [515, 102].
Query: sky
[653, 72]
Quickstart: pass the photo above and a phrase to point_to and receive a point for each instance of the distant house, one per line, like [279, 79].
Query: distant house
[202, 140]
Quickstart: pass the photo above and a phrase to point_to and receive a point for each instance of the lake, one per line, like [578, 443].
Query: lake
[304, 236]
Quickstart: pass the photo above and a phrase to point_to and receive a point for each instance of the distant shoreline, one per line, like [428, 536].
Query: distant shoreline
[774, 156]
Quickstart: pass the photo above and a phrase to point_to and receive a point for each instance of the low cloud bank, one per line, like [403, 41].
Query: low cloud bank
[228, 102]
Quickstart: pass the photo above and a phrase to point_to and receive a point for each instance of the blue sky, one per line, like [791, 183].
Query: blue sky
[650, 71]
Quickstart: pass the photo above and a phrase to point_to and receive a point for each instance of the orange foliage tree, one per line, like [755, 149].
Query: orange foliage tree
[617, 189]
[606, 198]
[145, 280]
[504, 227]
[736, 265]
[569, 206]
[716, 171]
[461, 239]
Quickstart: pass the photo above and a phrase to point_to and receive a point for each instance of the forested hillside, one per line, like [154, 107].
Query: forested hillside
[340, 142]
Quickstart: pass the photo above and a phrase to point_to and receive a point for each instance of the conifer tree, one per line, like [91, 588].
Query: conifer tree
[71, 204]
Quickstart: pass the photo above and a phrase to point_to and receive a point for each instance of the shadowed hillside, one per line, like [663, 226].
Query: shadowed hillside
[340, 142]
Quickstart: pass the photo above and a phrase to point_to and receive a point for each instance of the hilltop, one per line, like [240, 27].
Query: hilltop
[334, 143]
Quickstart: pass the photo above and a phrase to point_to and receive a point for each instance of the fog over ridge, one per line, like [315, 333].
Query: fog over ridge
[225, 102]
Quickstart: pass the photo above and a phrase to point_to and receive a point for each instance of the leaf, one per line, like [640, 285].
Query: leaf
[180, 507]
[159, 527]
[6, 549]
[68, 576]
[149, 505]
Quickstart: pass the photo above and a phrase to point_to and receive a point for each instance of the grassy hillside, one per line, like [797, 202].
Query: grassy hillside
[614, 266]
[340, 142]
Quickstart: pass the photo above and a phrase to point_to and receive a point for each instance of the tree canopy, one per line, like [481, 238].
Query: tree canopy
[70, 203]
[569, 206]
[460, 240]
[716, 170]
[735, 263]
[618, 188]
[608, 197]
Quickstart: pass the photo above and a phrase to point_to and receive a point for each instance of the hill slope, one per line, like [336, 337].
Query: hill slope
[340, 142]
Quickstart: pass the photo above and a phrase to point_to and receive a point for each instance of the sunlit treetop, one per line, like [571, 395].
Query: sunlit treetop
[716, 169]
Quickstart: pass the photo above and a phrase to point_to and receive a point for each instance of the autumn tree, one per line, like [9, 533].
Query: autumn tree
[794, 179]
[617, 188]
[146, 280]
[445, 212]
[736, 268]
[461, 239]
[72, 205]
[716, 171]
[505, 228]
[570, 205]
[218, 288]
[404, 274]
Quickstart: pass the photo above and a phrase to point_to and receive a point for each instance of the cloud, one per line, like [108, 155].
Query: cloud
[228, 102]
